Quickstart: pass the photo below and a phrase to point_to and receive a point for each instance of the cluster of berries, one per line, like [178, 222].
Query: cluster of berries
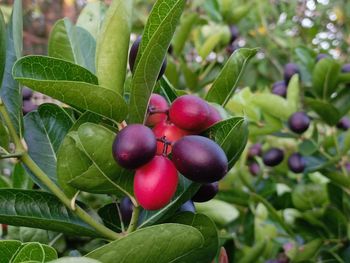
[172, 145]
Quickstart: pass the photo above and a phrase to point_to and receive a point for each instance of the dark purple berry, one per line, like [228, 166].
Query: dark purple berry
[296, 163]
[126, 209]
[200, 159]
[27, 93]
[134, 146]
[290, 69]
[347, 166]
[28, 106]
[231, 48]
[345, 68]
[273, 157]
[254, 150]
[321, 56]
[188, 207]
[344, 123]
[279, 88]
[299, 122]
[234, 33]
[133, 54]
[254, 168]
[206, 192]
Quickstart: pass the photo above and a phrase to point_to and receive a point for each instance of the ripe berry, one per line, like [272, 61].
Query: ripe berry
[321, 56]
[344, 123]
[133, 54]
[28, 106]
[155, 183]
[234, 33]
[188, 207]
[169, 132]
[273, 157]
[254, 168]
[289, 70]
[296, 163]
[200, 159]
[299, 122]
[279, 88]
[345, 68]
[206, 192]
[27, 93]
[214, 117]
[157, 108]
[254, 150]
[189, 113]
[126, 209]
[134, 146]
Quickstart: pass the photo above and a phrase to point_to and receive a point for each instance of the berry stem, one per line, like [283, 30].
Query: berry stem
[134, 219]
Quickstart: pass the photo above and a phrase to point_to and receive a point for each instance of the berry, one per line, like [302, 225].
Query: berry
[169, 132]
[290, 69]
[206, 192]
[126, 209]
[134, 146]
[279, 88]
[234, 33]
[273, 157]
[344, 123]
[133, 54]
[214, 117]
[321, 56]
[157, 108]
[299, 122]
[188, 207]
[28, 106]
[27, 93]
[254, 168]
[189, 113]
[155, 183]
[231, 48]
[345, 68]
[254, 150]
[296, 163]
[200, 159]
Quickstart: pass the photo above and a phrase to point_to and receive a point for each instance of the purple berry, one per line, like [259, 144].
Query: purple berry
[27, 93]
[28, 106]
[299, 122]
[344, 123]
[273, 157]
[206, 192]
[279, 88]
[321, 56]
[345, 68]
[290, 69]
[126, 209]
[254, 150]
[296, 163]
[254, 168]
[234, 33]
[188, 207]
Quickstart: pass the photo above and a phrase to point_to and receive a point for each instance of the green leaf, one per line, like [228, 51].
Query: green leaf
[75, 260]
[254, 253]
[183, 31]
[20, 179]
[226, 83]
[184, 192]
[153, 48]
[273, 105]
[72, 43]
[40, 210]
[208, 229]
[10, 91]
[165, 243]
[70, 84]
[293, 93]
[34, 252]
[340, 101]
[2, 45]
[219, 211]
[325, 78]
[232, 136]
[209, 44]
[110, 217]
[7, 249]
[308, 251]
[4, 136]
[113, 45]
[168, 89]
[325, 110]
[45, 130]
[85, 162]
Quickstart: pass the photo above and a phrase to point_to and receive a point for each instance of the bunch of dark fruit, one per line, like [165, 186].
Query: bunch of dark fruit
[28, 105]
[280, 87]
[175, 131]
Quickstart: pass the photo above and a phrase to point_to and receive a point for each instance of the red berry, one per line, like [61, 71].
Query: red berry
[155, 183]
[171, 133]
[189, 113]
[157, 104]
[214, 117]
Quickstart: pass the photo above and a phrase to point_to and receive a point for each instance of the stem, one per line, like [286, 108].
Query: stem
[11, 155]
[134, 219]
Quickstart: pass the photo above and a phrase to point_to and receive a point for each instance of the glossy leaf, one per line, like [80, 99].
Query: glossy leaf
[85, 162]
[2, 45]
[168, 89]
[10, 91]
[254, 253]
[273, 105]
[110, 216]
[208, 229]
[185, 190]
[293, 93]
[34, 252]
[325, 78]
[75, 260]
[45, 130]
[165, 243]
[70, 84]
[227, 81]
[325, 110]
[39, 210]
[153, 48]
[113, 45]
[209, 44]
[7, 249]
[20, 178]
[182, 33]
[232, 136]
[72, 43]
[308, 251]
[4, 136]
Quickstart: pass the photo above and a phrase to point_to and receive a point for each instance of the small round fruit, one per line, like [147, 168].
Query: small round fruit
[299, 122]
[206, 192]
[27, 93]
[155, 183]
[189, 112]
[345, 68]
[234, 33]
[254, 150]
[290, 69]
[254, 168]
[273, 157]
[188, 207]
[133, 54]
[134, 146]
[279, 88]
[231, 48]
[296, 163]
[321, 56]
[344, 123]
[126, 209]
[157, 108]
[200, 159]
[214, 117]
[28, 106]
[168, 131]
